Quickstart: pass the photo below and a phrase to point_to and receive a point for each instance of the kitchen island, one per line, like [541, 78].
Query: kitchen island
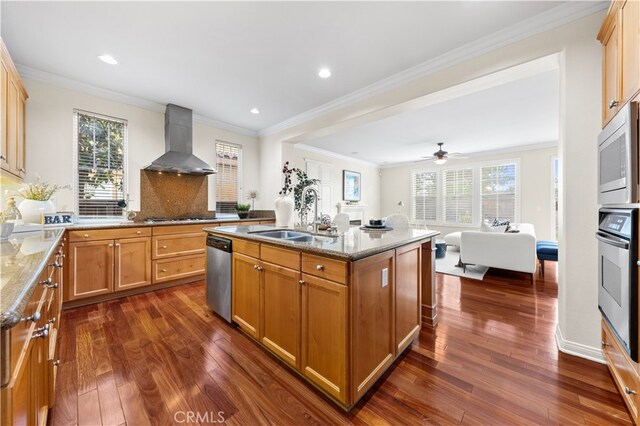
[338, 310]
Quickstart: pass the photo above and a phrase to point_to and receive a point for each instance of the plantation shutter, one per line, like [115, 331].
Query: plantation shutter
[227, 178]
[498, 192]
[100, 147]
[425, 196]
[458, 196]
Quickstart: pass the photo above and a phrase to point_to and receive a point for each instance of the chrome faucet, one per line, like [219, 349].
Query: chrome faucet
[303, 207]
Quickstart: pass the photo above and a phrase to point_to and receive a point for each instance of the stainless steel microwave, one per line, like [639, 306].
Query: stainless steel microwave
[618, 158]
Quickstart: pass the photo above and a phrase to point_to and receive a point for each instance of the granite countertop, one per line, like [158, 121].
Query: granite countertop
[23, 257]
[352, 245]
[129, 224]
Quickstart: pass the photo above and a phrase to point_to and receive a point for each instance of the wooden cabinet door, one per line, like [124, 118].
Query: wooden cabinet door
[18, 408]
[324, 335]
[630, 49]
[372, 320]
[4, 90]
[407, 295]
[281, 312]
[132, 263]
[245, 299]
[13, 95]
[610, 69]
[39, 380]
[20, 160]
[90, 269]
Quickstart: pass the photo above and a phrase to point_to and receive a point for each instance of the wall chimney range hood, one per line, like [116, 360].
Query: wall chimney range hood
[178, 144]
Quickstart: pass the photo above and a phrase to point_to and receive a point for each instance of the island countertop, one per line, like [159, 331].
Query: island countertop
[353, 245]
[23, 257]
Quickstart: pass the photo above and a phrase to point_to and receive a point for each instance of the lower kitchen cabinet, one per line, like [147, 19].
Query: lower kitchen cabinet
[132, 263]
[90, 269]
[178, 268]
[245, 297]
[324, 335]
[407, 294]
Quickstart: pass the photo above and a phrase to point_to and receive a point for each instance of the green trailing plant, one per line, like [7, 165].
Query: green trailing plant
[304, 181]
[39, 191]
[243, 207]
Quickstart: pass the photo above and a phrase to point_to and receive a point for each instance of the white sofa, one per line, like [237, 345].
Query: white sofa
[512, 251]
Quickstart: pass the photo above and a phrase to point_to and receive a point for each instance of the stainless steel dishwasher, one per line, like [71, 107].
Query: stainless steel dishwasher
[219, 276]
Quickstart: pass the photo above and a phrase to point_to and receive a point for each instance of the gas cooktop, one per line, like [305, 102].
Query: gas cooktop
[177, 219]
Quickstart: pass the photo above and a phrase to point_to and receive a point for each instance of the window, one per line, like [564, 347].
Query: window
[100, 148]
[425, 196]
[458, 196]
[228, 177]
[498, 192]
[463, 196]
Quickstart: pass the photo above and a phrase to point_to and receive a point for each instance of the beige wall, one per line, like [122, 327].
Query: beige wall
[50, 140]
[370, 175]
[580, 83]
[535, 188]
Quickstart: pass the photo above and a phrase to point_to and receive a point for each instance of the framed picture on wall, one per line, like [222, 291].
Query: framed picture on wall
[351, 185]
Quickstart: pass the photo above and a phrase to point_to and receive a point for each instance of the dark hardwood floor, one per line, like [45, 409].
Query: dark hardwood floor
[155, 357]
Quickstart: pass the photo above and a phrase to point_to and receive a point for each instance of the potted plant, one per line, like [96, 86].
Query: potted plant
[243, 210]
[37, 200]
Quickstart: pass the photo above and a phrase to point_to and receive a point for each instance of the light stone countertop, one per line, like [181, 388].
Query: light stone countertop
[354, 244]
[129, 224]
[23, 258]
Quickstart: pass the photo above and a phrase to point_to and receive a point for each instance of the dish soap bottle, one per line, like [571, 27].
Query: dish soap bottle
[11, 213]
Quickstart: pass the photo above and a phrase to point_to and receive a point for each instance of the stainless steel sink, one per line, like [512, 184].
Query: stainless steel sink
[282, 234]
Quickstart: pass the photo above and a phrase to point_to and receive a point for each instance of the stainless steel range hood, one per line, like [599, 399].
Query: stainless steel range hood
[178, 144]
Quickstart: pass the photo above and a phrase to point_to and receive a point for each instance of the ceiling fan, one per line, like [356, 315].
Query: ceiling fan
[441, 156]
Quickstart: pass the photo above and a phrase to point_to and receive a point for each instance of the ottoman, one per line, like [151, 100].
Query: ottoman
[546, 250]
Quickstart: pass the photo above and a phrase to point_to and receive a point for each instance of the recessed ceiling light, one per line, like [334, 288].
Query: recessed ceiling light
[255, 111]
[108, 59]
[324, 73]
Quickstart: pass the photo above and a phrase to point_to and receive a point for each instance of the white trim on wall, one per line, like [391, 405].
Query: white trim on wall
[333, 154]
[578, 349]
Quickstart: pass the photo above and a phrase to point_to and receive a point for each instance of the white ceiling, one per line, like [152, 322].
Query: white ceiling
[517, 114]
[223, 58]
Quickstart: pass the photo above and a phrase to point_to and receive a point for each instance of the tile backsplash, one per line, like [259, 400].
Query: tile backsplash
[172, 195]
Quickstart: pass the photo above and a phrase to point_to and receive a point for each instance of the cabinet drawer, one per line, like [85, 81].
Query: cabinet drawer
[108, 234]
[181, 229]
[246, 247]
[622, 369]
[280, 256]
[329, 269]
[178, 267]
[179, 245]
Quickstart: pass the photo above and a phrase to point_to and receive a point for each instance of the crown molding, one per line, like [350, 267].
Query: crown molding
[481, 154]
[333, 155]
[560, 15]
[70, 84]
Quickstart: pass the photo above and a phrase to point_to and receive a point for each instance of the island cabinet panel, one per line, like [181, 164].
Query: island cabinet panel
[90, 269]
[324, 335]
[372, 320]
[132, 263]
[407, 295]
[245, 297]
[281, 311]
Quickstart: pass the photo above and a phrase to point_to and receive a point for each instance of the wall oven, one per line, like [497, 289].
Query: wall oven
[618, 158]
[618, 274]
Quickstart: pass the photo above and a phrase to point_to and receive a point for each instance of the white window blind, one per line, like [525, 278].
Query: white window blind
[228, 177]
[498, 192]
[425, 196]
[458, 195]
[100, 144]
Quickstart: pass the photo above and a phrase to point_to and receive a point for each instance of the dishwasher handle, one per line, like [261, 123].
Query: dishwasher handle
[222, 244]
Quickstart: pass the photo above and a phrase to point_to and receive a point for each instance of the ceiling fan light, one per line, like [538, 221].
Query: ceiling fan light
[440, 160]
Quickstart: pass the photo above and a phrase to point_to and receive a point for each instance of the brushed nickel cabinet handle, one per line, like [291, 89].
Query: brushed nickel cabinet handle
[629, 391]
[613, 103]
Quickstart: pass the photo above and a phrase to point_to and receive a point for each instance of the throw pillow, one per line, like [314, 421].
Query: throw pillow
[497, 222]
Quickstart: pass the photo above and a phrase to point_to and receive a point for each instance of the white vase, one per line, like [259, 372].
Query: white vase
[32, 210]
[284, 211]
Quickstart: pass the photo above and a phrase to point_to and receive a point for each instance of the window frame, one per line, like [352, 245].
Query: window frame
[476, 203]
[239, 186]
[76, 168]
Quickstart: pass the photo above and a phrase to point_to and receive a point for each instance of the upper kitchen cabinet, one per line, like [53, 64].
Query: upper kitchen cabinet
[13, 99]
[620, 38]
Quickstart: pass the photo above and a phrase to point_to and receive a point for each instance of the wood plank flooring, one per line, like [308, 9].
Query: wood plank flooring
[156, 357]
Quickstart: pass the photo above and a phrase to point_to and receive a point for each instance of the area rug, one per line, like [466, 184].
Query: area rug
[447, 265]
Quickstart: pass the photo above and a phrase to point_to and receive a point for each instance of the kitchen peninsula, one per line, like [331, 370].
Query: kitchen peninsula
[338, 310]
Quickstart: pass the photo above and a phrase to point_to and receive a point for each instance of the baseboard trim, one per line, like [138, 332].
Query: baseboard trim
[578, 349]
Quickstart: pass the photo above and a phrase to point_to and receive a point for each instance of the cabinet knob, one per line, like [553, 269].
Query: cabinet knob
[3, 157]
[257, 267]
[301, 282]
[86, 235]
[53, 320]
[163, 270]
[56, 362]
[110, 245]
[54, 285]
[35, 317]
[320, 267]
[138, 232]
[638, 262]
[629, 391]
[55, 265]
[604, 344]
[117, 244]
[22, 170]
[41, 333]
[46, 282]
[163, 247]
[613, 103]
